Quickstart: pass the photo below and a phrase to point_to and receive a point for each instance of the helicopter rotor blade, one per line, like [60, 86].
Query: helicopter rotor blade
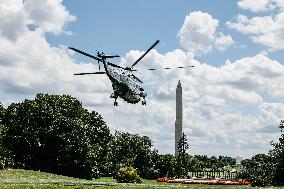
[89, 73]
[185, 66]
[167, 68]
[145, 53]
[86, 54]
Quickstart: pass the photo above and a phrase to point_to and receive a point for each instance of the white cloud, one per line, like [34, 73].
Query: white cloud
[255, 25]
[49, 15]
[212, 101]
[266, 30]
[215, 100]
[222, 42]
[278, 4]
[241, 96]
[13, 18]
[261, 5]
[30, 65]
[198, 34]
[252, 5]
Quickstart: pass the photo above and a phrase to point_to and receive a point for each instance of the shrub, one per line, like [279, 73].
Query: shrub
[127, 175]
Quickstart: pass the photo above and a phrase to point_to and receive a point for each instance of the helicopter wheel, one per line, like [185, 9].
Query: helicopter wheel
[143, 102]
[115, 103]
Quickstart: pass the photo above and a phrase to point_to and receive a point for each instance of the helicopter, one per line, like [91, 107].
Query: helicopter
[124, 83]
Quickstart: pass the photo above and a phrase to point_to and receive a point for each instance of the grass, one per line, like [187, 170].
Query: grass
[26, 179]
[231, 167]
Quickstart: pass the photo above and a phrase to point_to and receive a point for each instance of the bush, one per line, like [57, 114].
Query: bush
[127, 175]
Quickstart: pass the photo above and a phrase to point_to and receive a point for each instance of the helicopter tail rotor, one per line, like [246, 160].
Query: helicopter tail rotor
[99, 65]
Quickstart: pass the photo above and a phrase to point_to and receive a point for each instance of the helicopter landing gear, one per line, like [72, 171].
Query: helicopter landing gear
[115, 103]
[115, 98]
[144, 102]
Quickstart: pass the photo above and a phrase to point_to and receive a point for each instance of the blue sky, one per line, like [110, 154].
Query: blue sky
[118, 26]
[233, 98]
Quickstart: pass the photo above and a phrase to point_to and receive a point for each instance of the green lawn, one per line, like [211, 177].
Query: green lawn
[25, 179]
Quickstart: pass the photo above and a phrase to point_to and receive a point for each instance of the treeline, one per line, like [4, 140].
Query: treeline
[54, 133]
[266, 169]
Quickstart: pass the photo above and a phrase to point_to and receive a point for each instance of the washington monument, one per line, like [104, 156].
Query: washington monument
[178, 123]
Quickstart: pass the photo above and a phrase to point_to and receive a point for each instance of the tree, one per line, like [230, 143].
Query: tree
[260, 170]
[165, 165]
[182, 145]
[203, 162]
[1, 112]
[132, 150]
[2, 148]
[5, 156]
[266, 169]
[278, 156]
[182, 156]
[225, 161]
[54, 133]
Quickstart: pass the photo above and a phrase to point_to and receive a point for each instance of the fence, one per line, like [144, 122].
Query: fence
[213, 174]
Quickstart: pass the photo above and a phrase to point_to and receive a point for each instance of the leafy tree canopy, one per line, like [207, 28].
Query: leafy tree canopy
[2, 149]
[266, 169]
[259, 169]
[277, 154]
[132, 150]
[54, 133]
